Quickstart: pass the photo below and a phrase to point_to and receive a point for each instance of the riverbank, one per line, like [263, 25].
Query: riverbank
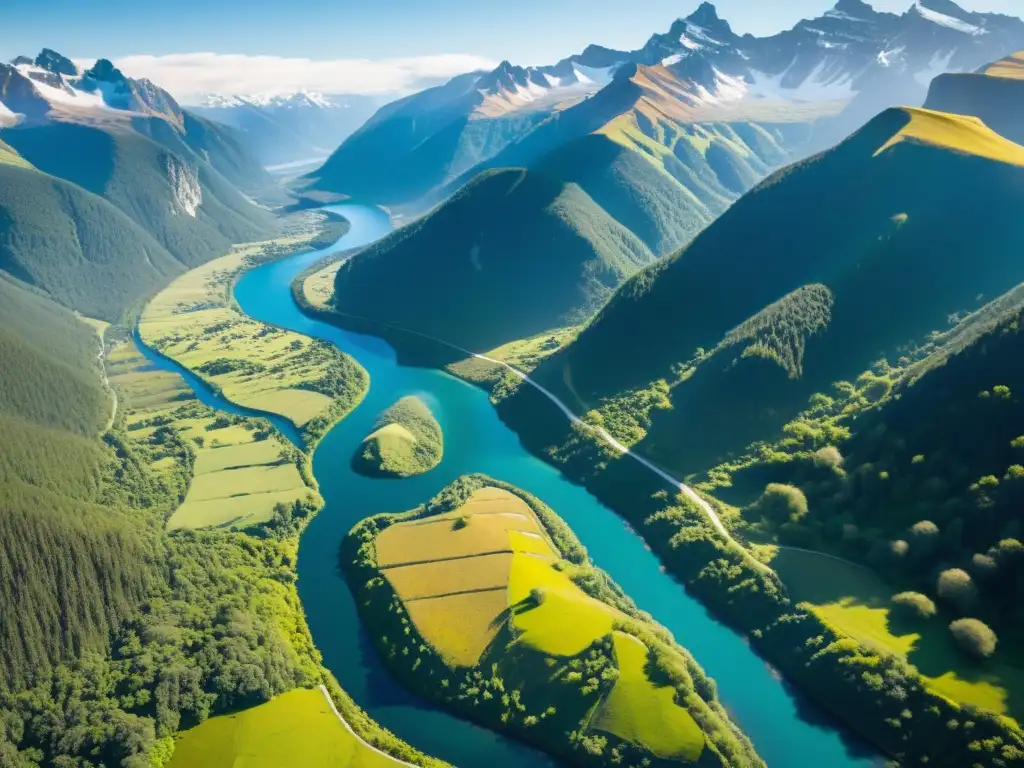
[179, 320]
[501, 599]
[743, 591]
[786, 729]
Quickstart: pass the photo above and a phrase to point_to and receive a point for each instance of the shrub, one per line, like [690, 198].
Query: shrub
[955, 585]
[914, 604]
[974, 637]
[782, 503]
[924, 529]
[829, 456]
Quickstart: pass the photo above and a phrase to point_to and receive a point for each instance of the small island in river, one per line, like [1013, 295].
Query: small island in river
[406, 441]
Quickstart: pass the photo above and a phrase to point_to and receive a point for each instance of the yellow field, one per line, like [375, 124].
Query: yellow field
[956, 132]
[854, 601]
[489, 567]
[567, 620]
[443, 539]
[444, 577]
[641, 713]
[467, 551]
[318, 288]
[194, 322]
[237, 479]
[459, 627]
[1011, 67]
[297, 728]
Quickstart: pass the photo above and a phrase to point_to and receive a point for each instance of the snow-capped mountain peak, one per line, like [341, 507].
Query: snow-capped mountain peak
[949, 19]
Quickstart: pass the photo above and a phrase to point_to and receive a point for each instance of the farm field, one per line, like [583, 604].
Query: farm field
[296, 728]
[194, 322]
[524, 354]
[854, 601]
[240, 473]
[486, 587]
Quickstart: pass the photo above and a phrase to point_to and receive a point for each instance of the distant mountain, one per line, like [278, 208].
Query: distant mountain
[289, 128]
[178, 177]
[807, 280]
[426, 140]
[512, 254]
[994, 94]
[832, 73]
[663, 167]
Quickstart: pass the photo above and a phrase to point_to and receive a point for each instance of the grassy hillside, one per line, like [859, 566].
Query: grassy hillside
[421, 142]
[75, 245]
[188, 207]
[661, 168]
[507, 622]
[406, 441]
[991, 95]
[515, 250]
[807, 280]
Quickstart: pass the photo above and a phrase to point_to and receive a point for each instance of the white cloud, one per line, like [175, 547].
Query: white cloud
[186, 75]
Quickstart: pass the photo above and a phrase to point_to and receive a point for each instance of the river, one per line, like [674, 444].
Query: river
[786, 729]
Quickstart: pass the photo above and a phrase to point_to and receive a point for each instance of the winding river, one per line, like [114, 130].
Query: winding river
[787, 730]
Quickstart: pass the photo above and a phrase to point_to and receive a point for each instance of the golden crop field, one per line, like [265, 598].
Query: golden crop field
[445, 577]
[459, 627]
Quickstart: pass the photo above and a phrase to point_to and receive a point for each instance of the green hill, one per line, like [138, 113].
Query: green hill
[807, 280]
[993, 95]
[191, 210]
[661, 168]
[75, 245]
[512, 254]
[406, 441]
[415, 144]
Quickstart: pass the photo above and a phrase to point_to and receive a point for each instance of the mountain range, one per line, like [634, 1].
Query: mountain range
[290, 128]
[695, 117]
[108, 186]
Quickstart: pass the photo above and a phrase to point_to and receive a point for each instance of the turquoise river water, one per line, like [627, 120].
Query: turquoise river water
[787, 730]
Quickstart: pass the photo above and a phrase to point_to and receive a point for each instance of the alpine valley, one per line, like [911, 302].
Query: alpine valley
[654, 407]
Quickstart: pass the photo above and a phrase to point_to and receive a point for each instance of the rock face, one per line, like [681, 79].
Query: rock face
[52, 61]
[188, 195]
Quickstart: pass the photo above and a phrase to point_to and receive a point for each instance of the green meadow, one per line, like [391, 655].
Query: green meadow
[298, 728]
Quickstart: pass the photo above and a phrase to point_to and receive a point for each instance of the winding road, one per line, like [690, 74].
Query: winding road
[602, 433]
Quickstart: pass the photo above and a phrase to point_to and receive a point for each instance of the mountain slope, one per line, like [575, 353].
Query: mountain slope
[805, 281]
[76, 246]
[423, 141]
[512, 254]
[175, 175]
[993, 94]
[662, 166]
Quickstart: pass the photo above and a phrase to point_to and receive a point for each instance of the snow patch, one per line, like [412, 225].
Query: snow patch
[67, 94]
[948, 21]
[700, 36]
[185, 183]
[843, 16]
[593, 75]
[815, 87]
[554, 82]
[886, 57]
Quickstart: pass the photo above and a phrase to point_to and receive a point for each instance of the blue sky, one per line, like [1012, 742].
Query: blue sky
[524, 31]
